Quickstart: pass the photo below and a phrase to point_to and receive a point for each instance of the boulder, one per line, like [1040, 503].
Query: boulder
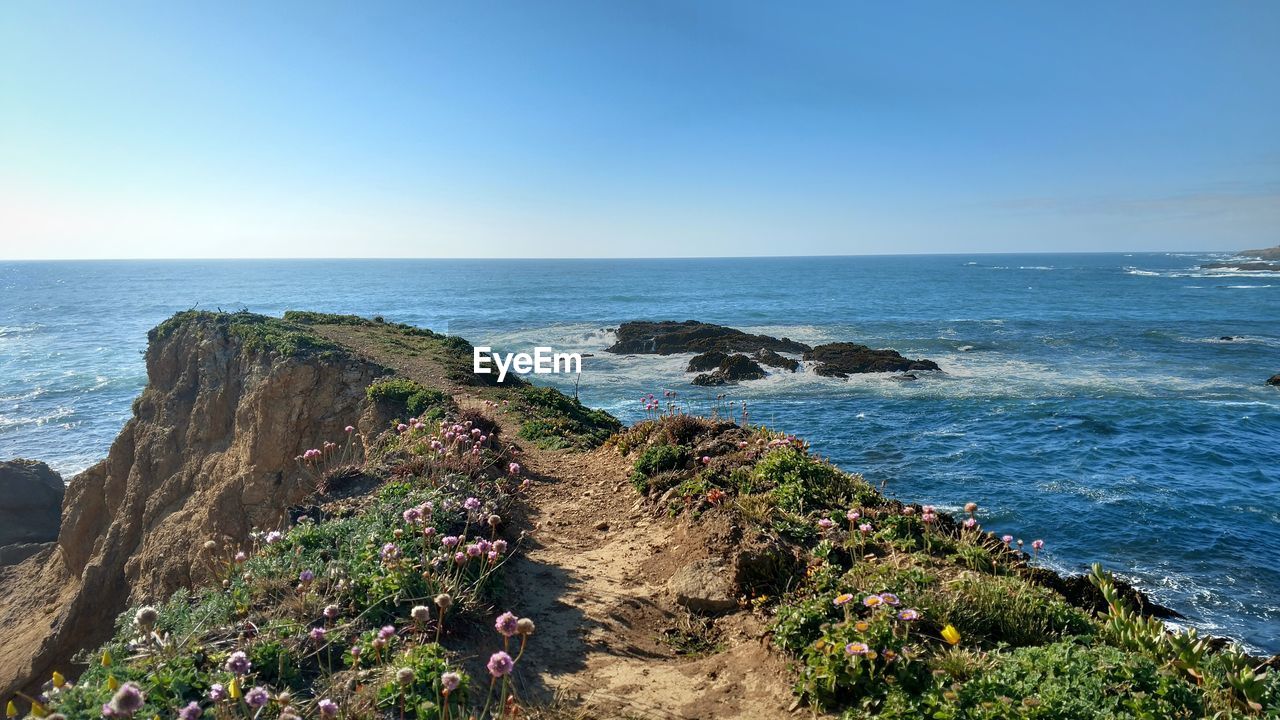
[732, 371]
[30, 502]
[704, 586]
[669, 337]
[772, 358]
[1274, 380]
[842, 359]
[709, 360]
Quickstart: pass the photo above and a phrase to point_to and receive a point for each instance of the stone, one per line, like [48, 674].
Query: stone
[30, 502]
[704, 586]
[842, 359]
[669, 337]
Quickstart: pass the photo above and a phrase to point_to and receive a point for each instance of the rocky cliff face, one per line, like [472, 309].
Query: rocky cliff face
[209, 454]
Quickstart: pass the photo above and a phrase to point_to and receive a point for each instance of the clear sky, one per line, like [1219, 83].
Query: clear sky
[650, 128]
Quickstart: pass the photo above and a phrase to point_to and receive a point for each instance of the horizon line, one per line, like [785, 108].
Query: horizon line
[601, 257]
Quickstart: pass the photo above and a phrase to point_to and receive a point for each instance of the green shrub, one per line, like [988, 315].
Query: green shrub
[555, 420]
[803, 485]
[657, 459]
[421, 697]
[1068, 680]
[429, 405]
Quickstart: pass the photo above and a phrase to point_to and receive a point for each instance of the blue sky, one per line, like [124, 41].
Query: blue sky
[562, 129]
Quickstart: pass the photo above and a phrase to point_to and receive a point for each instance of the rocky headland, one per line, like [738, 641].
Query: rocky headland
[1265, 260]
[326, 516]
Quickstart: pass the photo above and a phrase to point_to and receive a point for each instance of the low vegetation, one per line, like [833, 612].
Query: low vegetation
[902, 611]
[554, 420]
[257, 332]
[347, 613]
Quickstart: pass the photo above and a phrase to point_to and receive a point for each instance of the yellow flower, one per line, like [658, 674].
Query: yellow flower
[951, 634]
[11, 710]
[58, 679]
[38, 710]
[112, 683]
[234, 689]
[106, 658]
[861, 626]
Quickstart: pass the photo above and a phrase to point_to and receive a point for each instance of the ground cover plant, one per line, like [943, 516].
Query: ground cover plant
[346, 612]
[907, 611]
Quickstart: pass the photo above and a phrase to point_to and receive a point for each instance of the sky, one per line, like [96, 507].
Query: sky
[584, 128]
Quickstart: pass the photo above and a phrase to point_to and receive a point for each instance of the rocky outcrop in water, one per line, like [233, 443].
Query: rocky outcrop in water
[733, 370]
[843, 359]
[1242, 266]
[670, 337]
[30, 503]
[709, 360]
[209, 454]
[1274, 380]
[773, 359]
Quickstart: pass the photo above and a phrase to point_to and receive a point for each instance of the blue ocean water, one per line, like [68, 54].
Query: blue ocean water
[1087, 399]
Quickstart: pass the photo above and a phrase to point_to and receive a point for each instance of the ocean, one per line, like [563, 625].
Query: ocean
[1087, 400]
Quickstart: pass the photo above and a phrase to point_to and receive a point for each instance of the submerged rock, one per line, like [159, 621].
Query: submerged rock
[669, 337]
[842, 359]
[30, 502]
[734, 369]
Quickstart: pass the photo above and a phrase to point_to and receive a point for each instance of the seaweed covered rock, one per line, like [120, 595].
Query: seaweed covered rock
[669, 337]
[733, 370]
[842, 359]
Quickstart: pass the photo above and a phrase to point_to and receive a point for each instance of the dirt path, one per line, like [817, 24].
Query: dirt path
[593, 574]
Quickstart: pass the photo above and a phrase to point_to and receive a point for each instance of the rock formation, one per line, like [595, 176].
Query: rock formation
[771, 358]
[30, 503]
[734, 369]
[209, 454]
[843, 359]
[1274, 380]
[669, 337]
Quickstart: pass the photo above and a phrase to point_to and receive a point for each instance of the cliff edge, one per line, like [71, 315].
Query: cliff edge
[231, 400]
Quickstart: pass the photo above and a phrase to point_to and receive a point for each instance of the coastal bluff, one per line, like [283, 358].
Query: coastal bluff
[209, 454]
[683, 566]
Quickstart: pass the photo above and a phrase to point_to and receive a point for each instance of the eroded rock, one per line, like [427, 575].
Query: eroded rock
[669, 337]
[843, 359]
[733, 370]
[30, 502]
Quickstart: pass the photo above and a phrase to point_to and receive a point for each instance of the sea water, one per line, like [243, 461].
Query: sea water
[1088, 400]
